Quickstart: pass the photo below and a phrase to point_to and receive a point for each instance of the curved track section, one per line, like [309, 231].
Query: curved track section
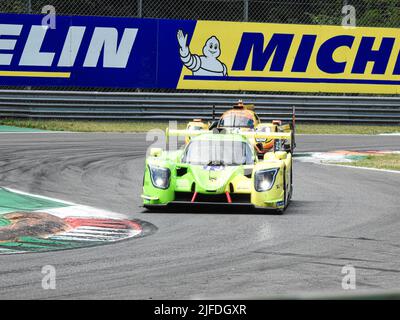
[31, 224]
[338, 216]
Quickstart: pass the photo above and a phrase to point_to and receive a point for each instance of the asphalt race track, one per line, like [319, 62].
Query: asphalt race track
[338, 216]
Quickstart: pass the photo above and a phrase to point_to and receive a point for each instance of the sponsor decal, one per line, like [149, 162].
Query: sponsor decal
[189, 54]
[280, 203]
[206, 64]
[214, 168]
[31, 223]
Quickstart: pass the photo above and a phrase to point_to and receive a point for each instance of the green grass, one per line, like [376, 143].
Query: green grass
[88, 126]
[387, 161]
[142, 126]
[345, 129]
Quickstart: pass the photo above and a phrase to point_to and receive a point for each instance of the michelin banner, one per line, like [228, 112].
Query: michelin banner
[186, 54]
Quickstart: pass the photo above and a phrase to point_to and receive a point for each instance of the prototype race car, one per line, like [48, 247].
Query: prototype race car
[242, 118]
[219, 168]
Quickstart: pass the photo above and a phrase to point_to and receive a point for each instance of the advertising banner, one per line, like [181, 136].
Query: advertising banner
[85, 51]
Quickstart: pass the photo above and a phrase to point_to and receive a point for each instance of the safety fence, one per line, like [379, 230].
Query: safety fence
[174, 106]
[382, 13]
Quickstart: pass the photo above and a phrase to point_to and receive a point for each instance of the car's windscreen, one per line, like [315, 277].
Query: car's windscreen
[216, 152]
[236, 120]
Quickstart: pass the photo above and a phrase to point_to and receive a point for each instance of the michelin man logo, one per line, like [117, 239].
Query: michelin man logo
[205, 65]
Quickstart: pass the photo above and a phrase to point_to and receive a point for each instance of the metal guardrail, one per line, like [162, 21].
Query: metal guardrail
[185, 106]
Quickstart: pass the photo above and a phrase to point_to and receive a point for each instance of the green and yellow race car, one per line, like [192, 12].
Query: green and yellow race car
[217, 168]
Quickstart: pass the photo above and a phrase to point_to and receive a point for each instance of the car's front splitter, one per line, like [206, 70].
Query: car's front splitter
[187, 205]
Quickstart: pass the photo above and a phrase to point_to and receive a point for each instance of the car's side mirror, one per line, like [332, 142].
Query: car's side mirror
[155, 152]
[213, 125]
[287, 147]
[282, 145]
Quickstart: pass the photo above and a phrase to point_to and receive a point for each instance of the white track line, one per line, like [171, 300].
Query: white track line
[390, 134]
[362, 168]
[34, 132]
[39, 196]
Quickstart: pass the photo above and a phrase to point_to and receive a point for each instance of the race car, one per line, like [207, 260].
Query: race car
[241, 118]
[217, 168]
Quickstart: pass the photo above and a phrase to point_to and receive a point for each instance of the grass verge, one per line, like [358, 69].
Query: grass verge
[386, 161]
[345, 129]
[142, 126]
[88, 126]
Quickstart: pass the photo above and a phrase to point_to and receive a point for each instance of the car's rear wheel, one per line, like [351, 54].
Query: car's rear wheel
[285, 195]
[291, 181]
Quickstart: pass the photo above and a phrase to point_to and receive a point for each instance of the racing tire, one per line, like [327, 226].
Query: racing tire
[291, 182]
[285, 196]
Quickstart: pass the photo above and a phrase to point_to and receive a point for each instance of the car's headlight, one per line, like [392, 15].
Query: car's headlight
[265, 179]
[160, 177]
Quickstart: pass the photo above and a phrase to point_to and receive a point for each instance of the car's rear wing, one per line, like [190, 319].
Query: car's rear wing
[248, 134]
[184, 133]
[281, 139]
[267, 135]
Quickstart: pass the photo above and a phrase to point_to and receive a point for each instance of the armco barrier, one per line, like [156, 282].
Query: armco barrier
[185, 106]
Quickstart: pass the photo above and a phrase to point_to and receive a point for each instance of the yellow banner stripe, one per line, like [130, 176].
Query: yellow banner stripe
[35, 74]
